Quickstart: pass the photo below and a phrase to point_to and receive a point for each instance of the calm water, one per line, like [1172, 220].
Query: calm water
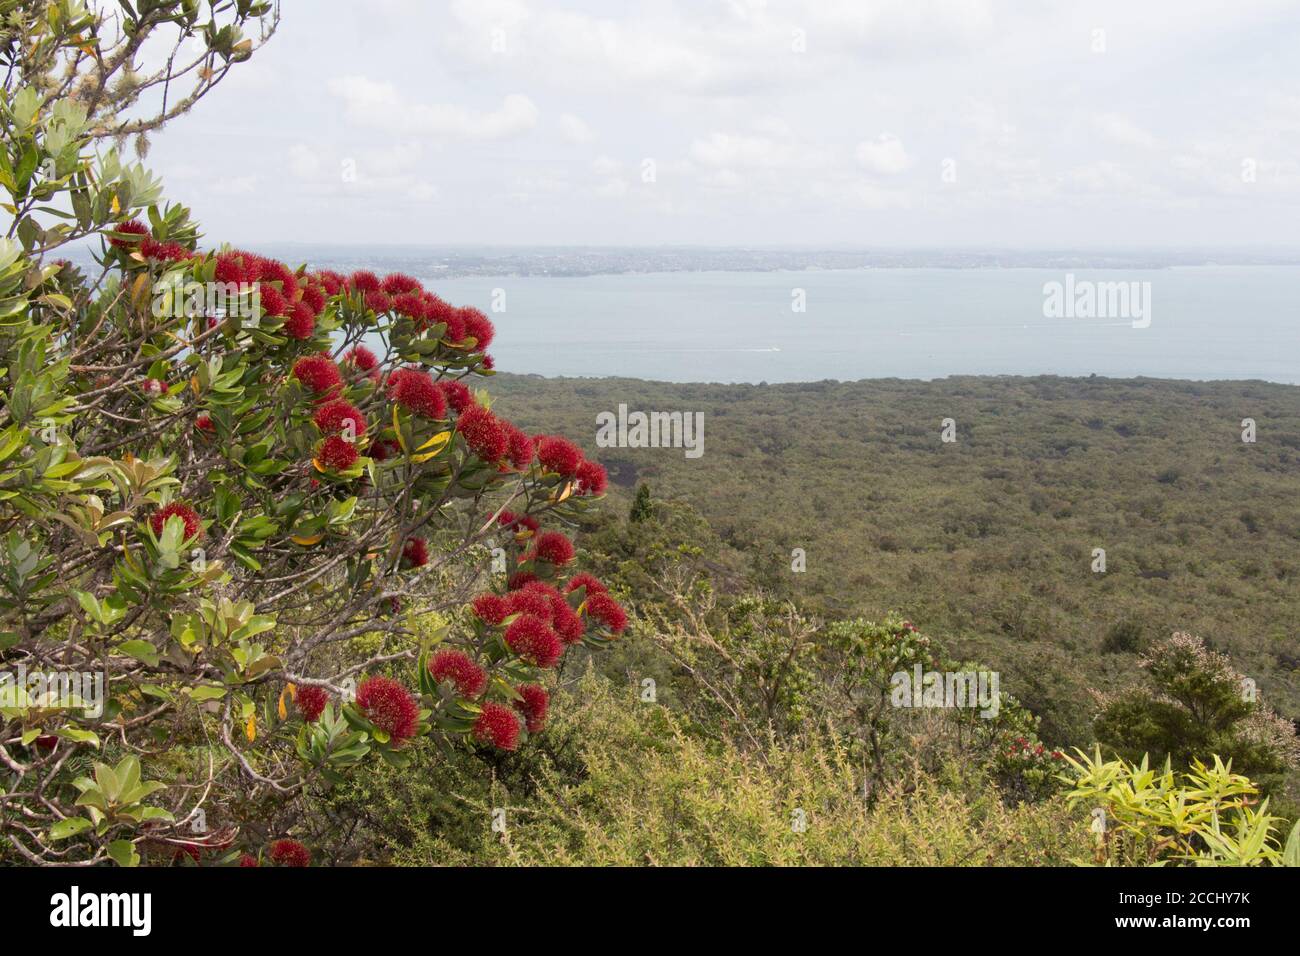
[1207, 322]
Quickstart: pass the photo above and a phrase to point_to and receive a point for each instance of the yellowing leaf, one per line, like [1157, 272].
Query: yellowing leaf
[397, 427]
[435, 444]
[279, 707]
[306, 540]
[250, 728]
[564, 493]
[117, 206]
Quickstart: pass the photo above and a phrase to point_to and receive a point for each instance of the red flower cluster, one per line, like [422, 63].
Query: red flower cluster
[553, 548]
[484, 433]
[248, 860]
[334, 417]
[337, 453]
[587, 581]
[311, 702]
[415, 390]
[533, 703]
[318, 373]
[179, 509]
[491, 608]
[497, 725]
[516, 523]
[360, 357]
[151, 386]
[607, 611]
[415, 553]
[458, 395]
[389, 706]
[533, 639]
[203, 422]
[457, 667]
[132, 227]
[289, 853]
[566, 459]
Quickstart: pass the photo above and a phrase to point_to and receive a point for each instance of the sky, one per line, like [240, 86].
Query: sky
[754, 122]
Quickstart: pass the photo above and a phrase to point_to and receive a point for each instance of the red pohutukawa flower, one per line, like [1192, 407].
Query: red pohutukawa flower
[519, 579]
[362, 358]
[364, 281]
[317, 373]
[272, 271]
[397, 283]
[585, 580]
[235, 267]
[151, 386]
[313, 296]
[378, 301]
[272, 301]
[479, 326]
[513, 522]
[415, 553]
[532, 639]
[311, 702]
[164, 251]
[483, 433]
[533, 706]
[337, 453]
[592, 478]
[336, 416]
[132, 227]
[383, 449]
[460, 669]
[177, 509]
[289, 853]
[415, 390]
[248, 860]
[566, 622]
[458, 395]
[301, 322]
[559, 455]
[488, 362]
[520, 447]
[439, 312]
[389, 706]
[332, 282]
[532, 599]
[553, 548]
[203, 422]
[491, 608]
[609, 612]
[497, 725]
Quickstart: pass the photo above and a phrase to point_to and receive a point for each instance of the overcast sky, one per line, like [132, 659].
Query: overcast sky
[782, 122]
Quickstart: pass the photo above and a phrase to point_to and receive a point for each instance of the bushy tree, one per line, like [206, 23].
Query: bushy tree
[243, 503]
[1196, 703]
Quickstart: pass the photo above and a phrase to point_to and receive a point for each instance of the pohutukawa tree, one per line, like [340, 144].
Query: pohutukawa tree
[262, 505]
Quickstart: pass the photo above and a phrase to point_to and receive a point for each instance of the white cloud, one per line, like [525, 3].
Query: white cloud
[575, 130]
[1123, 131]
[884, 155]
[379, 105]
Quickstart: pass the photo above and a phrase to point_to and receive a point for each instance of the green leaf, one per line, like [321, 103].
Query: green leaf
[1291, 855]
[123, 853]
[141, 651]
[69, 827]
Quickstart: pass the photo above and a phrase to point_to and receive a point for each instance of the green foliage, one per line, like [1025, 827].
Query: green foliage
[1196, 703]
[624, 782]
[171, 526]
[1206, 816]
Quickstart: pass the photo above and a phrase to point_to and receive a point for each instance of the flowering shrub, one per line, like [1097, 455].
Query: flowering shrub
[232, 515]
